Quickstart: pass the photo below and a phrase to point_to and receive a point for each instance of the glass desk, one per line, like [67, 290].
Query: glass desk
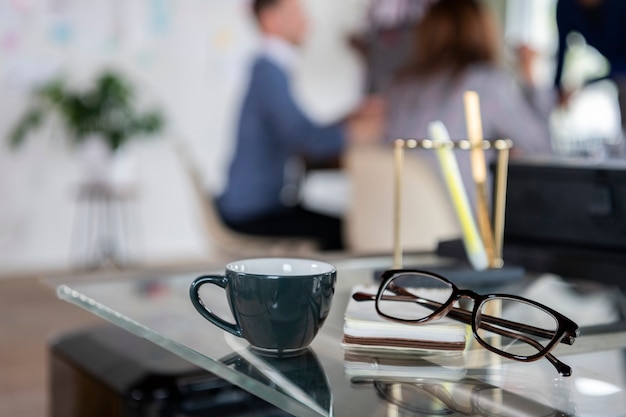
[156, 306]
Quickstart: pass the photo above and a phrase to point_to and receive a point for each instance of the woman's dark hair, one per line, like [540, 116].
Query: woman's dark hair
[452, 35]
[258, 6]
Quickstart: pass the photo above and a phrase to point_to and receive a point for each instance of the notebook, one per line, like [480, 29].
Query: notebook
[364, 330]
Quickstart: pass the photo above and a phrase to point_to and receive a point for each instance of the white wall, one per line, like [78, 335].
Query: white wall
[187, 56]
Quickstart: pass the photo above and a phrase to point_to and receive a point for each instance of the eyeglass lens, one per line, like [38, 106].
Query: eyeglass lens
[412, 296]
[539, 329]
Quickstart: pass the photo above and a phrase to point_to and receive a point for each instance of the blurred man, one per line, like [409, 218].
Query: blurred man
[272, 130]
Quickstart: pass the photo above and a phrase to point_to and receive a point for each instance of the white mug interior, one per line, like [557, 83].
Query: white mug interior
[280, 267]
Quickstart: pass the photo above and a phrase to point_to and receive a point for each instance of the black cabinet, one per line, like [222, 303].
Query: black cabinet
[105, 371]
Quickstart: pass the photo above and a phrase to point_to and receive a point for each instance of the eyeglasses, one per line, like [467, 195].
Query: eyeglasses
[508, 325]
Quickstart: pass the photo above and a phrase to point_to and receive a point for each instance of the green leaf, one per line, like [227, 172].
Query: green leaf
[31, 120]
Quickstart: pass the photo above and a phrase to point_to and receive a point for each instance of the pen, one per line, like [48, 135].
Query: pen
[471, 239]
[479, 171]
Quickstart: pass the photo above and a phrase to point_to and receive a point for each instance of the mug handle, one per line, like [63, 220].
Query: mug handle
[220, 281]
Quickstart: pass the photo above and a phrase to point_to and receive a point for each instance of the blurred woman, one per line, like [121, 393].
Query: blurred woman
[457, 48]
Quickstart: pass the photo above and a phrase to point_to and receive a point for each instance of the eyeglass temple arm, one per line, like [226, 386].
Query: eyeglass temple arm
[562, 368]
[459, 314]
[466, 317]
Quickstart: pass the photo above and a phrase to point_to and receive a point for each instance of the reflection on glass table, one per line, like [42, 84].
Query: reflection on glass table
[156, 306]
[465, 397]
[299, 375]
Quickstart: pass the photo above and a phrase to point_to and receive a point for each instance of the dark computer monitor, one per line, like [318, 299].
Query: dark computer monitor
[567, 216]
[570, 203]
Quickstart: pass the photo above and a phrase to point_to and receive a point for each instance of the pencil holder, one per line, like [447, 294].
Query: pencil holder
[490, 222]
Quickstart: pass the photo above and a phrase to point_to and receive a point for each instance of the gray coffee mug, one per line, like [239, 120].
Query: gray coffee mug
[278, 304]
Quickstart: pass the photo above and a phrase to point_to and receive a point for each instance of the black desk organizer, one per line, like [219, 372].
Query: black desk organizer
[604, 266]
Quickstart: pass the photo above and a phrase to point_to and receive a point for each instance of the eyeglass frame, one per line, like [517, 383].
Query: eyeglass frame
[566, 332]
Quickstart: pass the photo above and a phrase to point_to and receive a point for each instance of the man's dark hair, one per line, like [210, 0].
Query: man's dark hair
[258, 6]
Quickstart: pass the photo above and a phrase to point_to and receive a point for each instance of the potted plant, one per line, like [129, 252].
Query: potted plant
[102, 116]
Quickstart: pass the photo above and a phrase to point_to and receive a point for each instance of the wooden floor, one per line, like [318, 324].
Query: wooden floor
[30, 314]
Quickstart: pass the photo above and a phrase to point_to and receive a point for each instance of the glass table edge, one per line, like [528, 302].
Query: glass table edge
[272, 396]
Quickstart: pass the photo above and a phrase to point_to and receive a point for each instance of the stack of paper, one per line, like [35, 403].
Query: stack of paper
[365, 330]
